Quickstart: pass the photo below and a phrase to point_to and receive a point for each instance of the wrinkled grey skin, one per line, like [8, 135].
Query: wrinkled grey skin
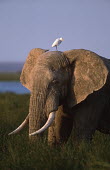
[75, 84]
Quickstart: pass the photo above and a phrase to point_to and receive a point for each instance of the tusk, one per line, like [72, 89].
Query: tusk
[47, 124]
[21, 126]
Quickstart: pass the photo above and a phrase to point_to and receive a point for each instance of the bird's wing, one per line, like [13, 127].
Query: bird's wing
[59, 42]
[55, 42]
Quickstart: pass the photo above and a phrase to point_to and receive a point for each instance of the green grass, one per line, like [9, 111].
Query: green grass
[9, 76]
[16, 153]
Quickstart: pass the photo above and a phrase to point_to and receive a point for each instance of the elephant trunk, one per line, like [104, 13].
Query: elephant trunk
[36, 111]
[42, 106]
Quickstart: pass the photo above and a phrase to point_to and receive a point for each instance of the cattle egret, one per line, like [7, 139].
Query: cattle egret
[57, 42]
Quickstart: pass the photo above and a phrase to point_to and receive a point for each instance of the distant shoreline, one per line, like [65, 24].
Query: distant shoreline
[10, 76]
[11, 67]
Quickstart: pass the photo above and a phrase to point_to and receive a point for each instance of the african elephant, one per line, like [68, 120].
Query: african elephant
[69, 90]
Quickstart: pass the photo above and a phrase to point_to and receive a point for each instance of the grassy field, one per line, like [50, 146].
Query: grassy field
[16, 153]
[9, 76]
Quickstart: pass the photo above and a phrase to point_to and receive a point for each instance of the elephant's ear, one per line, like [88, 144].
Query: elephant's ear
[29, 65]
[89, 73]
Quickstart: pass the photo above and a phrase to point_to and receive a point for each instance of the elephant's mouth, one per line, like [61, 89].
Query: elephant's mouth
[25, 122]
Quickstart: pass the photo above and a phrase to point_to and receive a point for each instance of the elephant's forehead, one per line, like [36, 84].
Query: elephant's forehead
[53, 58]
[49, 54]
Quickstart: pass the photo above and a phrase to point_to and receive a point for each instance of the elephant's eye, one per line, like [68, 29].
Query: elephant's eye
[55, 81]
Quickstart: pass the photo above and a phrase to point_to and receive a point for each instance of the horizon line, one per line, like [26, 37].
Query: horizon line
[12, 61]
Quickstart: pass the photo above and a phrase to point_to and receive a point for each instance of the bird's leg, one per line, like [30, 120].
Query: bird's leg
[56, 48]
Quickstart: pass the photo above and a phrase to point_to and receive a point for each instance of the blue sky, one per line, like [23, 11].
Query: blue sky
[28, 24]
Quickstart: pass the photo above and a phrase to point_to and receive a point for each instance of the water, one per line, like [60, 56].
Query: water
[14, 86]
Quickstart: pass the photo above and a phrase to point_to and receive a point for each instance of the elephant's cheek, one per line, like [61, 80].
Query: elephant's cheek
[51, 104]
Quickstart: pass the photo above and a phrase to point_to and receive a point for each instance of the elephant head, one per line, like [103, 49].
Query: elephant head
[59, 79]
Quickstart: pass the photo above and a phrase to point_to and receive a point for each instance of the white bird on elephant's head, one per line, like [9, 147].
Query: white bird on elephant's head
[57, 42]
